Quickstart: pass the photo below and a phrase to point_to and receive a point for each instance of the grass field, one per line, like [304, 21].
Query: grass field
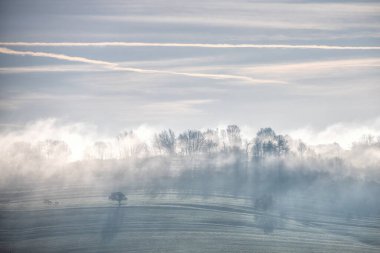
[85, 220]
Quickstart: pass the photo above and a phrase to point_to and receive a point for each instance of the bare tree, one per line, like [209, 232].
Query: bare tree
[191, 142]
[223, 139]
[211, 140]
[267, 143]
[282, 145]
[54, 149]
[233, 134]
[247, 145]
[117, 196]
[130, 145]
[165, 141]
[100, 150]
[301, 148]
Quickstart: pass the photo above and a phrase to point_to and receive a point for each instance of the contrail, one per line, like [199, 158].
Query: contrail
[201, 45]
[117, 67]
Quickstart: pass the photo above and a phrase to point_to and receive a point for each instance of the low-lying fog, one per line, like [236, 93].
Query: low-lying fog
[206, 162]
[217, 182]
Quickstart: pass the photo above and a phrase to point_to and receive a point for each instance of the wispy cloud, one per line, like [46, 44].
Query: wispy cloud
[314, 66]
[117, 67]
[199, 45]
[49, 68]
[272, 16]
[57, 56]
[13, 102]
[174, 107]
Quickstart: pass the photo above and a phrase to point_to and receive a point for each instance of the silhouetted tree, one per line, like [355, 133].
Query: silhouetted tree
[233, 133]
[165, 141]
[100, 150]
[54, 149]
[282, 145]
[129, 145]
[301, 148]
[211, 140]
[191, 141]
[223, 140]
[267, 143]
[117, 196]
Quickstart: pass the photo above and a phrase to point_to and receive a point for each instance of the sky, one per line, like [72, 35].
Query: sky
[298, 66]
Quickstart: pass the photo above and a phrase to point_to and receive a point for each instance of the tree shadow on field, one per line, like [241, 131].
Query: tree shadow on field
[266, 220]
[114, 222]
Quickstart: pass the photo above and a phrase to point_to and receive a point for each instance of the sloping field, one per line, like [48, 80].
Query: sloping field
[84, 220]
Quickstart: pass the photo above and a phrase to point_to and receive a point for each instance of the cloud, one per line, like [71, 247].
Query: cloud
[8, 104]
[175, 107]
[117, 67]
[322, 76]
[60, 68]
[345, 134]
[251, 14]
[77, 135]
[13, 102]
[314, 66]
[243, 21]
[57, 56]
[195, 45]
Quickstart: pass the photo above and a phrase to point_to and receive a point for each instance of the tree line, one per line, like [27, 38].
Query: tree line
[192, 142]
[196, 142]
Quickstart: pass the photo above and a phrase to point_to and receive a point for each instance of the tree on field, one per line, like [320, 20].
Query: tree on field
[117, 196]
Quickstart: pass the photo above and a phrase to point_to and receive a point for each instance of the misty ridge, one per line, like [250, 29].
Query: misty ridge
[271, 170]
